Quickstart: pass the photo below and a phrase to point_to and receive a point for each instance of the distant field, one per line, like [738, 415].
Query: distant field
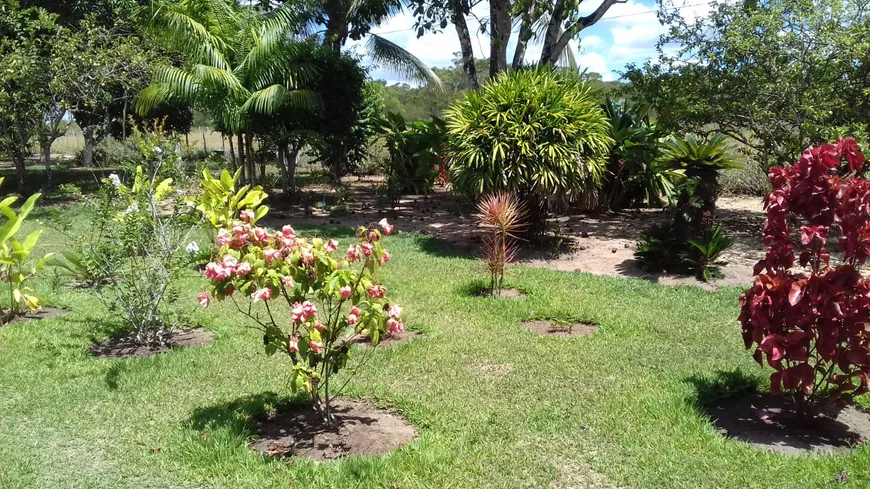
[73, 142]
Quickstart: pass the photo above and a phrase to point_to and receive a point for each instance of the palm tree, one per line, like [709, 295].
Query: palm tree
[701, 160]
[237, 62]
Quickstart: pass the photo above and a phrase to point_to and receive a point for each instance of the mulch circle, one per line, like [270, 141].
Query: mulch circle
[391, 340]
[126, 346]
[39, 314]
[769, 422]
[548, 327]
[506, 293]
[361, 429]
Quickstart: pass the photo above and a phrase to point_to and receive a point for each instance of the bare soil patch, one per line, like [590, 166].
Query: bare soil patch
[361, 429]
[39, 314]
[390, 340]
[126, 346]
[506, 293]
[549, 327]
[769, 422]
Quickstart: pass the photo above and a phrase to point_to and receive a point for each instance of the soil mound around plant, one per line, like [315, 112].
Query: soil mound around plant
[39, 314]
[506, 293]
[126, 346]
[549, 327]
[360, 429]
[387, 341]
[769, 422]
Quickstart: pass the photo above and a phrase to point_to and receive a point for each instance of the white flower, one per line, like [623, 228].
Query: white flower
[115, 179]
[192, 247]
[158, 150]
[133, 208]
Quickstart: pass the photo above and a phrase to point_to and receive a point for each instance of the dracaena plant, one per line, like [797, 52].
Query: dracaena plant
[810, 325]
[502, 216]
[310, 301]
[16, 267]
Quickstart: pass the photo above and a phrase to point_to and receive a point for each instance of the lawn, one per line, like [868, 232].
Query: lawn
[494, 405]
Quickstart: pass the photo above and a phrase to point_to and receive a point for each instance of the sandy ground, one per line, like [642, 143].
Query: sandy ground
[599, 244]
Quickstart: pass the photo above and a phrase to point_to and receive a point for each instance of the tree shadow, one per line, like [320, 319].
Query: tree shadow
[444, 249]
[738, 409]
[114, 374]
[240, 415]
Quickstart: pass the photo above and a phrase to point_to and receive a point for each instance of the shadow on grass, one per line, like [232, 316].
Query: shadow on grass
[721, 386]
[442, 248]
[481, 288]
[240, 415]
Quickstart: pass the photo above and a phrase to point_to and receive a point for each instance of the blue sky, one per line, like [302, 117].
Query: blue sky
[627, 33]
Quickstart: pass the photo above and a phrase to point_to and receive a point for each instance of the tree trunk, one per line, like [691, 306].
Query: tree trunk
[281, 158]
[249, 159]
[20, 168]
[500, 31]
[46, 160]
[554, 30]
[523, 38]
[457, 16]
[235, 165]
[336, 162]
[293, 164]
[557, 38]
[242, 164]
[90, 145]
[536, 208]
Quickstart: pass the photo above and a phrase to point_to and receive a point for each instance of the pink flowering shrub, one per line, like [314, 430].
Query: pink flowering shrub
[811, 326]
[332, 296]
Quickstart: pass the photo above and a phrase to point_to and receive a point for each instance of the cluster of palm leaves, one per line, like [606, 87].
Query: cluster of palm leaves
[690, 240]
[415, 150]
[238, 62]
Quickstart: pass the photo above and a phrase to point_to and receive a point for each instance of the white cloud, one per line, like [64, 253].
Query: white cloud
[593, 62]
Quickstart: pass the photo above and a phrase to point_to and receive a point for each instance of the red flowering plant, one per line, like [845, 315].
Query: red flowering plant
[332, 298]
[811, 324]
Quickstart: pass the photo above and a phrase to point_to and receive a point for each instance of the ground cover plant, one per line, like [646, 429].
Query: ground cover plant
[810, 327]
[613, 409]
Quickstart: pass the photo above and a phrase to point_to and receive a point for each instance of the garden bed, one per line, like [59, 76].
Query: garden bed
[769, 422]
[361, 429]
[44, 313]
[550, 327]
[126, 346]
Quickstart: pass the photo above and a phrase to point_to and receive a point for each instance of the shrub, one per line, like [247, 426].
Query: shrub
[16, 267]
[415, 148]
[331, 300]
[502, 216]
[538, 133]
[811, 326]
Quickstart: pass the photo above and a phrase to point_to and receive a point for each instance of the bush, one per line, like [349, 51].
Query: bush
[331, 300]
[811, 328]
[117, 153]
[502, 216]
[15, 265]
[538, 133]
[414, 149]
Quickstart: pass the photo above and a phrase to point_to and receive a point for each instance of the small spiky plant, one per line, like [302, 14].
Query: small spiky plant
[503, 217]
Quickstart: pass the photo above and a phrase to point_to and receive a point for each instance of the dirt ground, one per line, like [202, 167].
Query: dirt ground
[600, 244]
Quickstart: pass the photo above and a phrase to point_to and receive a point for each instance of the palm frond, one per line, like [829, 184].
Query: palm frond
[394, 57]
[275, 97]
[188, 35]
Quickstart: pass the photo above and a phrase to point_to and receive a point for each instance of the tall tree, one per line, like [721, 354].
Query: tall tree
[774, 75]
[551, 24]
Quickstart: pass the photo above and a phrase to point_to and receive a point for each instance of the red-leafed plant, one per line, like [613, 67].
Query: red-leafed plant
[811, 324]
[502, 215]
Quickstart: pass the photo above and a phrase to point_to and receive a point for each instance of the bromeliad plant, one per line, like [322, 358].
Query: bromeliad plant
[15, 265]
[502, 216]
[332, 300]
[811, 326]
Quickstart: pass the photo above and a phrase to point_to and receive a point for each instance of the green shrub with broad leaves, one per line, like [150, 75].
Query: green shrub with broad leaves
[538, 133]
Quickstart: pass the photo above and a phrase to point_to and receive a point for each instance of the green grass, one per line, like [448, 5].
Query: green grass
[494, 405]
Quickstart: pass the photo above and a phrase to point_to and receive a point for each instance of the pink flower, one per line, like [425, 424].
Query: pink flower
[223, 237]
[240, 232]
[309, 309]
[260, 235]
[244, 268]
[217, 272]
[271, 254]
[355, 311]
[385, 258]
[395, 311]
[229, 261]
[287, 281]
[319, 326]
[298, 314]
[203, 299]
[247, 215]
[261, 295]
[352, 319]
[316, 347]
[385, 226]
[346, 292]
[394, 326]
[293, 344]
[287, 242]
[331, 245]
[307, 257]
[288, 232]
[367, 249]
[377, 291]
[354, 253]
